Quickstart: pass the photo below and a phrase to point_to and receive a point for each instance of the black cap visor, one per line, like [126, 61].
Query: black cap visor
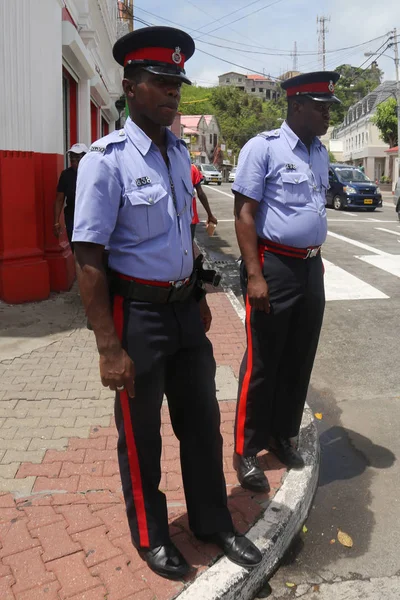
[160, 68]
[322, 98]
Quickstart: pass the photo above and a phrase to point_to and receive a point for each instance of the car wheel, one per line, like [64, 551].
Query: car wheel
[371, 208]
[219, 182]
[337, 203]
[204, 182]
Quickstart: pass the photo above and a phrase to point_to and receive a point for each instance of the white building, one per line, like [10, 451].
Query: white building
[59, 86]
[255, 85]
[201, 133]
[361, 141]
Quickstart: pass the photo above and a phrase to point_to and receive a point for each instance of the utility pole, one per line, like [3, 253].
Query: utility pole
[295, 57]
[322, 30]
[396, 62]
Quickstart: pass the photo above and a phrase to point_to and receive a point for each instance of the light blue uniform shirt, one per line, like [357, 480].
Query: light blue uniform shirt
[276, 170]
[124, 201]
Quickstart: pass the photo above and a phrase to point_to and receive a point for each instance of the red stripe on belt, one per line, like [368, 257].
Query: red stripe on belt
[133, 459]
[276, 248]
[165, 284]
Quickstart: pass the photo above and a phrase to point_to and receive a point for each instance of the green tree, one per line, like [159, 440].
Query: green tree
[195, 100]
[353, 85]
[332, 158]
[385, 119]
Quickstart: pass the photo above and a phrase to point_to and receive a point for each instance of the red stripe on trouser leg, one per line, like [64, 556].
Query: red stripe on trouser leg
[242, 408]
[134, 466]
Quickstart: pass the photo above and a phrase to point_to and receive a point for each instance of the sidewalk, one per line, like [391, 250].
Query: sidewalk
[63, 529]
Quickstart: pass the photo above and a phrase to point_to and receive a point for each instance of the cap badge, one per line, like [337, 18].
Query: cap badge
[331, 87]
[177, 56]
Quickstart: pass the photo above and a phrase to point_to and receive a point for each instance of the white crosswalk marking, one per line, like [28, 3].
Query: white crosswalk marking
[388, 230]
[341, 285]
[389, 263]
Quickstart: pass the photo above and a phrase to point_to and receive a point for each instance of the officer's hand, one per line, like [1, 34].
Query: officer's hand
[258, 294]
[117, 371]
[212, 219]
[205, 314]
[57, 229]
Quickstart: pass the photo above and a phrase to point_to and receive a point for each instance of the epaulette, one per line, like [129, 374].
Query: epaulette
[274, 133]
[115, 137]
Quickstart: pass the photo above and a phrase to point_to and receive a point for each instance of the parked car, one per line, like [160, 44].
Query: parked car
[396, 198]
[232, 174]
[210, 174]
[349, 187]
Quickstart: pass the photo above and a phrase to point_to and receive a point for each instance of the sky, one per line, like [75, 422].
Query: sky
[259, 35]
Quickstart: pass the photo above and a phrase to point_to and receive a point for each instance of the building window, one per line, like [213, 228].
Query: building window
[260, 90]
[253, 89]
[228, 80]
[362, 139]
[211, 138]
[240, 79]
[70, 112]
[366, 137]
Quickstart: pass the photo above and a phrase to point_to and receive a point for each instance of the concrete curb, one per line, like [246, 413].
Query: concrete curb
[272, 534]
[275, 530]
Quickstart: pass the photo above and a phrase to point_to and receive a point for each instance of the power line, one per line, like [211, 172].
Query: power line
[220, 19]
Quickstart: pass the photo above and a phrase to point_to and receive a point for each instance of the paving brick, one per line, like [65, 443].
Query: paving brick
[37, 470]
[66, 404]
[45, 433]
[6, 588]
[119, 579]
[40, 444]
[96, 545]
[10, 514]
[79, 386]
[15, 537]
[67, 484]
[78, 412]
[95, 455]
[97, 432]
[51, 395]
[55, 541]
[60, 432]
[8, 470]
[75, 456]
[6, 501]
[110, 468]
[47, 591]
[104, 411]
[112, 442]
[163, 589]
[68, 498]
[40, 516]
[55, 421]
[70, 468]
[124, 543]
[88, 483]
[115, 520]
[33, 404]
[13, 412]
[92, 443]
[78, 518]
[106, 497]
[74, 576]
[28, 569]
[9, 443]
[89, 421]
[22, 486]
[98, 593]
[13, 456]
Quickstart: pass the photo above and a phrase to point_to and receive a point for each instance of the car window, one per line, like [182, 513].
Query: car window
[349, 174]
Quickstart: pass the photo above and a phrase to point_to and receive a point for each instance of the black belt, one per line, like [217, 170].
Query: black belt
[155, 292]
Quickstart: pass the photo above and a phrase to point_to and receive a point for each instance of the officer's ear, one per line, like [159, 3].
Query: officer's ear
[129, 87]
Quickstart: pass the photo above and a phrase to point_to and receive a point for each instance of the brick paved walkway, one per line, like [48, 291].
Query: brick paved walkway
[63, 529]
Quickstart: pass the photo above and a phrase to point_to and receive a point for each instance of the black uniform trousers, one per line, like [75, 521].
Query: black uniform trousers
[281, 346]
[172, 355]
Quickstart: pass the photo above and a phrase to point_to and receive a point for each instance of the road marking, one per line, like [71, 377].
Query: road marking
[358, 244]
[341, 285]
[361, 221]
[388, 230]
[221, 192]
[389, 263]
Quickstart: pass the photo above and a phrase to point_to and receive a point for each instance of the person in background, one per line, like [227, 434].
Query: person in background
[196, 181]
[66, 192]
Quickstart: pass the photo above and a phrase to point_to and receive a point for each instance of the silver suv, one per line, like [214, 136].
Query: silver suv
[210, 174]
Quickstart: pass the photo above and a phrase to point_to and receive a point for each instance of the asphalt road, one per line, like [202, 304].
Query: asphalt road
[355, 386]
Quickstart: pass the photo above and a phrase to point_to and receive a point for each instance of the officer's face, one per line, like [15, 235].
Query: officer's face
[317, 116]
[155, 97]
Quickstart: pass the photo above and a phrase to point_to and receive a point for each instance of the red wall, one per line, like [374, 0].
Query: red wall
[94, 122]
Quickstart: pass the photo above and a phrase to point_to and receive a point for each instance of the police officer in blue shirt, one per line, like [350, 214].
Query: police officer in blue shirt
[280, 220]
[134, 195]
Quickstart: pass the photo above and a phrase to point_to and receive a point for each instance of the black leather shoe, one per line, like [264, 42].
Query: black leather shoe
[166, 561]
[287, 454]
[238, 548]
[250, 475]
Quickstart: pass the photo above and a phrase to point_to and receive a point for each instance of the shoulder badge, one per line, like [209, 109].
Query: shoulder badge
[275, 133]
[115, 137]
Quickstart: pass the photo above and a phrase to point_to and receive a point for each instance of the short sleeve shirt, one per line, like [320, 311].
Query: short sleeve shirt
[128, 199]
[290, 185]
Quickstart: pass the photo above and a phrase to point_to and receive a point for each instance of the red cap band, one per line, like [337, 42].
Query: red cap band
[323, 87]
[165, 55]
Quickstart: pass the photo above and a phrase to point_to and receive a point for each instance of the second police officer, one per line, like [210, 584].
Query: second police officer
[134, 195]
[280, 219]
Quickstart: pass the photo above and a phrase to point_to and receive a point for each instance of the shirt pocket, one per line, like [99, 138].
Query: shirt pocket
[149, 210]
[296, 188]
[324, 182]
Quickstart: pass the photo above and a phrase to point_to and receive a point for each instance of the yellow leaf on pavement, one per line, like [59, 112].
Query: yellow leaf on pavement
[290, 585]
[305, 529]
[344, 539]
[318, 416]
[332, 542]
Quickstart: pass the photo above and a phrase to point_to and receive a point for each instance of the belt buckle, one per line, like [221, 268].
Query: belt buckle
[311, 252]
[178, 284]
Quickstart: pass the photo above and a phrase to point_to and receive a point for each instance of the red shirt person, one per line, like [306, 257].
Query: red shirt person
[196, 181]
